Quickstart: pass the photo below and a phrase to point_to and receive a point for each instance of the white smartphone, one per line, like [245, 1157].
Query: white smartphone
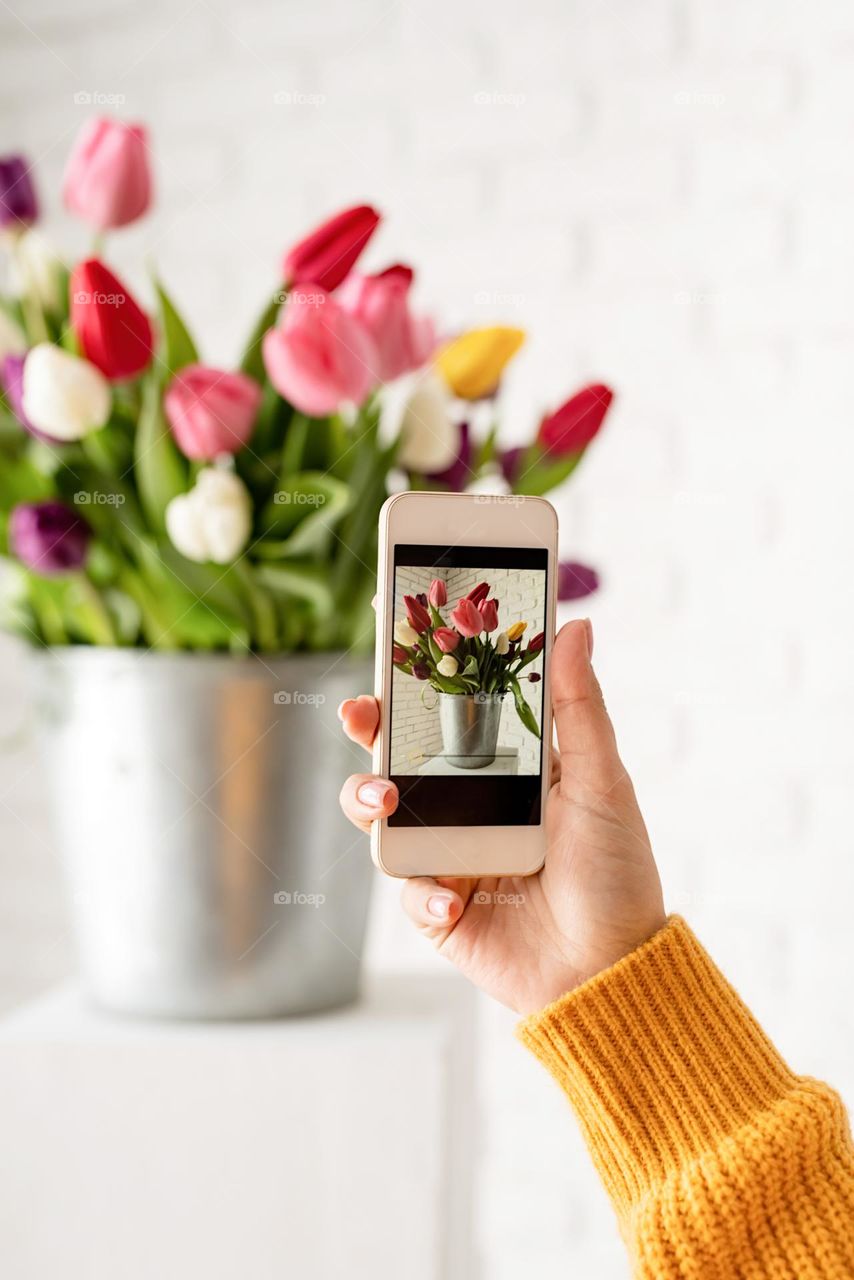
[465, 623]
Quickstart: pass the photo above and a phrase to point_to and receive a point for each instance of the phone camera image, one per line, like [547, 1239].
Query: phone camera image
[466, 688]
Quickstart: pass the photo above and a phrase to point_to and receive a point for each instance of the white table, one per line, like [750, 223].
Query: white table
[317, 1148]
[506, 761]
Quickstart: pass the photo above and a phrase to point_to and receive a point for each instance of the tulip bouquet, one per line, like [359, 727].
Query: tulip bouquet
[147, 498]
[460, 658]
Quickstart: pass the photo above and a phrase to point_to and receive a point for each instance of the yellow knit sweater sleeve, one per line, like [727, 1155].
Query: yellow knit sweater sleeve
[720, 1162]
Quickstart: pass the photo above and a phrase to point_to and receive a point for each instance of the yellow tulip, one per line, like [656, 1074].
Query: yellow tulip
[515, 632]
[472, 365]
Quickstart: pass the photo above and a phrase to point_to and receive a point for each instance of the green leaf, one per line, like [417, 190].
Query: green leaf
[252, 362]
[471, 667]
[305, 581]
[523, 711]
[177, 348]
[303, 514]
[160, 470]
[539, 473]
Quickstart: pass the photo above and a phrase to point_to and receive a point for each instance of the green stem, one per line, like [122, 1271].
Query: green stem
[37, 330]
[102, 624]
[262, 608]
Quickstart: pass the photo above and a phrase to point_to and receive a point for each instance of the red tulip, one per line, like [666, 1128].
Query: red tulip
[113, 331]
[571, 427]
[328, 254]
[478, 594]
[536, 642]
[489, 614]
[107, 179]
[399, 654]
[418, 616]
[438, 593]
[446, 638]
[466, 618]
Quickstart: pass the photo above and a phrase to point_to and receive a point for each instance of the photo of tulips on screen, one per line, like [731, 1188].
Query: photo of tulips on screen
[467, 694]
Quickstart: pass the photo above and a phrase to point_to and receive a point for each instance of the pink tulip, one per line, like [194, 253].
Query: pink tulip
[489, 614]
[107, 179]
[211, 412]
[327, 255]
[446, 638]
[403, 341]
[466, 618]
[319, 356]
[438, 593]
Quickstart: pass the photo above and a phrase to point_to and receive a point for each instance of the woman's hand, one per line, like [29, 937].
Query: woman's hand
[527, 940]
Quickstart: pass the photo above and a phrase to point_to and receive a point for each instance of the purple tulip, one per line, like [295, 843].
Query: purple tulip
[459, 473]
[510, 460]
[421, 671]
[575, 581]
[48, 537]
[18, 202]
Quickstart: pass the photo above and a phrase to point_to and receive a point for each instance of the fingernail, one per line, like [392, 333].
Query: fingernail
[342, 709]
[439, 906]
[588, 627]
[373, 794]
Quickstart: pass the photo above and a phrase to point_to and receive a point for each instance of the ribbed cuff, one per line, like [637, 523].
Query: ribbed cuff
[660, 1059]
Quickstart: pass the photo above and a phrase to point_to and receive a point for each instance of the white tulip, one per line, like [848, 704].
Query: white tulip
[63, 395]
[214, 520]
[430, 436]
[502, 642]
[447, 666]
[12, 341]
[405, 634]
[37, 270]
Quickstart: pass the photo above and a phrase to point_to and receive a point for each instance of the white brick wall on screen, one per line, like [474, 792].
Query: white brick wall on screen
[661, 192]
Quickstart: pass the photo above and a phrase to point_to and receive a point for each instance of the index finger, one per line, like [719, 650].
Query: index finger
[360, 718]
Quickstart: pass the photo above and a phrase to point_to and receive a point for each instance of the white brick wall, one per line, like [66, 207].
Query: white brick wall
[661, 191]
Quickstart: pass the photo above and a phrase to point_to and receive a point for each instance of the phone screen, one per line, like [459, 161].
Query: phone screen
[466, 708]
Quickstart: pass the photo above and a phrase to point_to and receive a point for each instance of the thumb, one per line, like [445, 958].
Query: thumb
[588, 748]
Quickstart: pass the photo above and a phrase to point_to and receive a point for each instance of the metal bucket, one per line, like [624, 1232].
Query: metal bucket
[469, 724]
[195, 798]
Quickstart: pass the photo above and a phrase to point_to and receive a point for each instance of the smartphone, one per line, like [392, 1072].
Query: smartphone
[465, 623]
